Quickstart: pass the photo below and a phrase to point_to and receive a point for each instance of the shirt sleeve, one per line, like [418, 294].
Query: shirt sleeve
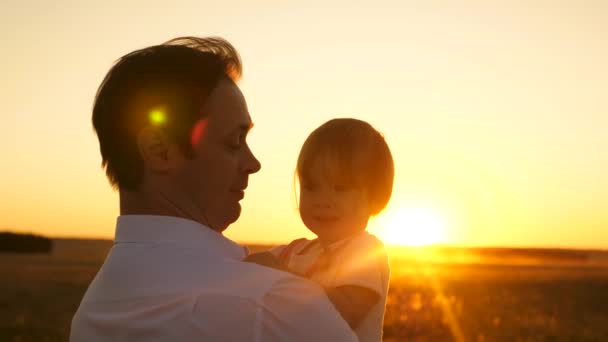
[296, 309]
[364, 263]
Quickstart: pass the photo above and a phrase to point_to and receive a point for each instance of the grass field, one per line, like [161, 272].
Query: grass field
[497, 295]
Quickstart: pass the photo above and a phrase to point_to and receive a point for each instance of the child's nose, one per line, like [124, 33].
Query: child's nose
[323, 204]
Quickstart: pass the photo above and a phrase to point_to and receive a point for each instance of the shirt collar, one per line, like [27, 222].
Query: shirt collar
[171, 229]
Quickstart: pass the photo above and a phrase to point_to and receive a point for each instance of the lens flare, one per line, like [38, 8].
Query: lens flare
[157, 117]
[198, 131]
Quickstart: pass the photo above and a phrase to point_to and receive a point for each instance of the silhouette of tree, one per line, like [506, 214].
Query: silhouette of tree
[24, 243]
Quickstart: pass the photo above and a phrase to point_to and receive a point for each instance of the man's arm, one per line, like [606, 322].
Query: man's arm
[296, 309]
[352, 302]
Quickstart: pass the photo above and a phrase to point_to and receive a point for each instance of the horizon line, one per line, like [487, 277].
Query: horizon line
[387, 244]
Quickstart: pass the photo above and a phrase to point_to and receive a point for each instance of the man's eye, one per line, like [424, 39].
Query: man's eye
[235, 144]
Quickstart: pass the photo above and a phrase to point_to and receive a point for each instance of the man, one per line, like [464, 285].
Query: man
[172, 128]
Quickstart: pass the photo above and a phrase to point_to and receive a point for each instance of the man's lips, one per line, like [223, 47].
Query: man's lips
[238, 189]
[239, 193]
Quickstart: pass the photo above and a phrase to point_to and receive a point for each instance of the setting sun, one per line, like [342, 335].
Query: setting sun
[414, 227]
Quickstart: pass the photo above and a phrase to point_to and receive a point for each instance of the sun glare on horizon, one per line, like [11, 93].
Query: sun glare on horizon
[414, 226]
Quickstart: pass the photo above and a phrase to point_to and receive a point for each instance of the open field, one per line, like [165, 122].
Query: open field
[480, 295]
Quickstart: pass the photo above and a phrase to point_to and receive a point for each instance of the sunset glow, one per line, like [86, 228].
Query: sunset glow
[414, 226]
[495, 112]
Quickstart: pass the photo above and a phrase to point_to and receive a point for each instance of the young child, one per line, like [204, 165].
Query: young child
[345, 170]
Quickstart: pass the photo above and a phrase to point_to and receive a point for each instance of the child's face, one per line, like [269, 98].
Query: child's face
[331, 208]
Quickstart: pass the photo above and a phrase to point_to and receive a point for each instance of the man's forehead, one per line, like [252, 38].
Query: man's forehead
[226, 106]
[224, 113]
[226, 92]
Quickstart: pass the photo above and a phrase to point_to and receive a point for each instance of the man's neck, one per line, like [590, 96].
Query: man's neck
[142, 202]
[138, 203]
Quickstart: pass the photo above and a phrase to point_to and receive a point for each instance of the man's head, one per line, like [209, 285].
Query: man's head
[172, 124]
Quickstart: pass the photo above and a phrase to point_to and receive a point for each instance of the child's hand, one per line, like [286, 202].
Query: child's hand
[266, 259]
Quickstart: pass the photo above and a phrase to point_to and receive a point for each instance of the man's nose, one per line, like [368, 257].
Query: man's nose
[250, 163]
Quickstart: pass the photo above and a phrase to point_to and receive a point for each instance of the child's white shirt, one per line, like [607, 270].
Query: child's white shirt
[360, 260]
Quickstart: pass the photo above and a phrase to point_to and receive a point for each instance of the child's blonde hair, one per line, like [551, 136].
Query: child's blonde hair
[359, 155]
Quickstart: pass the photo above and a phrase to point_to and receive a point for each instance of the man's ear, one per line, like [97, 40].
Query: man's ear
[155, 149]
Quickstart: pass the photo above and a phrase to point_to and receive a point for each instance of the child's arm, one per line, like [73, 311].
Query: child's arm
[352, 302]
[361, 280]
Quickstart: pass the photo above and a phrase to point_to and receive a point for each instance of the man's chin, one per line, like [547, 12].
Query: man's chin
[237, 211]
[231, 217]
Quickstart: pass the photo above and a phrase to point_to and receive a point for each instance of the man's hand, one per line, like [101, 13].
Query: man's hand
[266, 259]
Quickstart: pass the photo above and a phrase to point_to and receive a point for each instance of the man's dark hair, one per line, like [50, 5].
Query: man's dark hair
[164, 85]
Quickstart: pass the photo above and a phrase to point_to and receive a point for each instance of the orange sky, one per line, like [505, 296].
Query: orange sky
[496, 112]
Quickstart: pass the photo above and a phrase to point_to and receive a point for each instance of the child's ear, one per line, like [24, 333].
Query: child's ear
[155, 149]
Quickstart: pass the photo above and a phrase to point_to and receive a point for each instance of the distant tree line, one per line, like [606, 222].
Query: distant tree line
[24, 243]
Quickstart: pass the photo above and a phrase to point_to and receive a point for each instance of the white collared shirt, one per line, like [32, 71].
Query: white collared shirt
[172, 279]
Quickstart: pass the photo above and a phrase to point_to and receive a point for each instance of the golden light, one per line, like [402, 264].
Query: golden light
[415, 226]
